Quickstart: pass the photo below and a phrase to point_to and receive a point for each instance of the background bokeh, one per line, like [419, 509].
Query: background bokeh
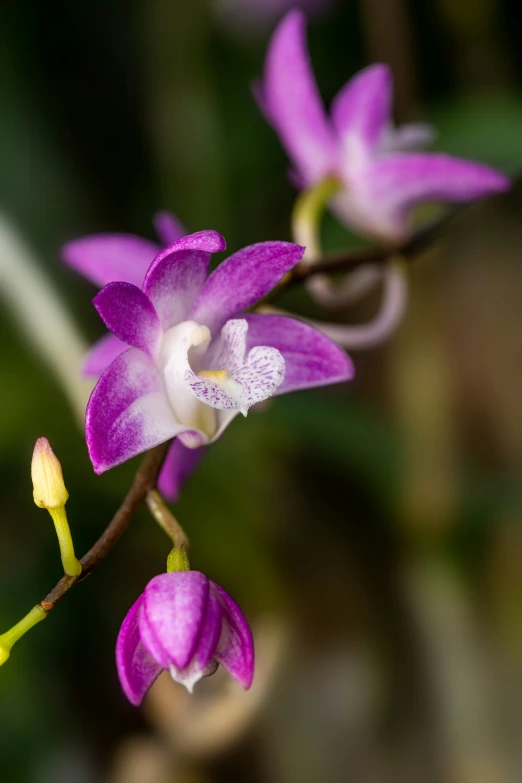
[371, 532]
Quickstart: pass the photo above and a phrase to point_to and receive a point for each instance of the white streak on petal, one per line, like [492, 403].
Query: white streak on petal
[174, 356]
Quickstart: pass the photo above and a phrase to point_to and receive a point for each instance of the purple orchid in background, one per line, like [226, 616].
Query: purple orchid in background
[193, 365]
[188, 625]
[111, 257]
[358, 145]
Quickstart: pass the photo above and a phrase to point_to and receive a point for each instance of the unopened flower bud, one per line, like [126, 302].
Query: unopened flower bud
[48, 485]
[49, 492]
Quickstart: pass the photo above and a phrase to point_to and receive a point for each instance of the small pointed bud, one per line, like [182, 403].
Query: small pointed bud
[48, 485]
[49, 492]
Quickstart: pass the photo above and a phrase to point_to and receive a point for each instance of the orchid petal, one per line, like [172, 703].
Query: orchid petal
[104, 258]
[394, 184]
[174, 609]
[192, 673]
[130, 315]
[311, 359]
[179, 465]
[137, 670]
[291, 99]
[168, 228]
[196, 439]
[102, 353]
[199, 419]
[177, 274]
[206, 644]
[235, 650]
[237, 380]
[361, 110]
[127, 412]
[243, 279]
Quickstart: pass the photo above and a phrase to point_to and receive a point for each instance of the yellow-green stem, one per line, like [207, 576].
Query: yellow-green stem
[306, 215]
[10, 637]
[178, 560]
[71, 565]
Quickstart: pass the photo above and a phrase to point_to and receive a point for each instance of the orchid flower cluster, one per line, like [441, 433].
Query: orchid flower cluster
[189, 349]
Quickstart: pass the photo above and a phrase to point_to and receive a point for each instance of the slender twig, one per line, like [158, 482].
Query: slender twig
[144, 481]
[344, 261]
[166, 519]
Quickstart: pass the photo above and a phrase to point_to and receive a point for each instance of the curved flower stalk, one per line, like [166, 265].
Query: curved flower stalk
[193, 364]
[111, 257]
[349, 290]
[378, 181]
[379, 329]
[188, 625]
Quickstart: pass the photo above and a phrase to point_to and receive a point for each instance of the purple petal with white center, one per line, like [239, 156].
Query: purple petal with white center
[104, 258]
[168, 228]
[179, 465]
[127, 412]
[102, 353]
[291, 99]
[174, 608]
[137, 670]
[242, 280]
[236, 380]
[205, 646]
[394, 184]
[311, 358]
[130, 315]
[361, 110]
[235, 650]
[177, 274]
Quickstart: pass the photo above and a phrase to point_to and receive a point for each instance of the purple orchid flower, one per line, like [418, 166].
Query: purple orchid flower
[193, 365]
[111, 257]
[188, 625]
[357, 144]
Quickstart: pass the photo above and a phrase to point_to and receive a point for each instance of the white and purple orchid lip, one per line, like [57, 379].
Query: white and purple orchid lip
[188, 625]
[383, 178]
[192, 365]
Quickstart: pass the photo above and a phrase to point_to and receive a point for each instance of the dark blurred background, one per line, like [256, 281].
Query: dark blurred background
[372, 533]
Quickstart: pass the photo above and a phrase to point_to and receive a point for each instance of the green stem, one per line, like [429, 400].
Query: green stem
[10, 637]
[166, 519]
[306, 215]
[71, 565]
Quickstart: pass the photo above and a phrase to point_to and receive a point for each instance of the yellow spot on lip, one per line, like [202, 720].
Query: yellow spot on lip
[213, 375]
